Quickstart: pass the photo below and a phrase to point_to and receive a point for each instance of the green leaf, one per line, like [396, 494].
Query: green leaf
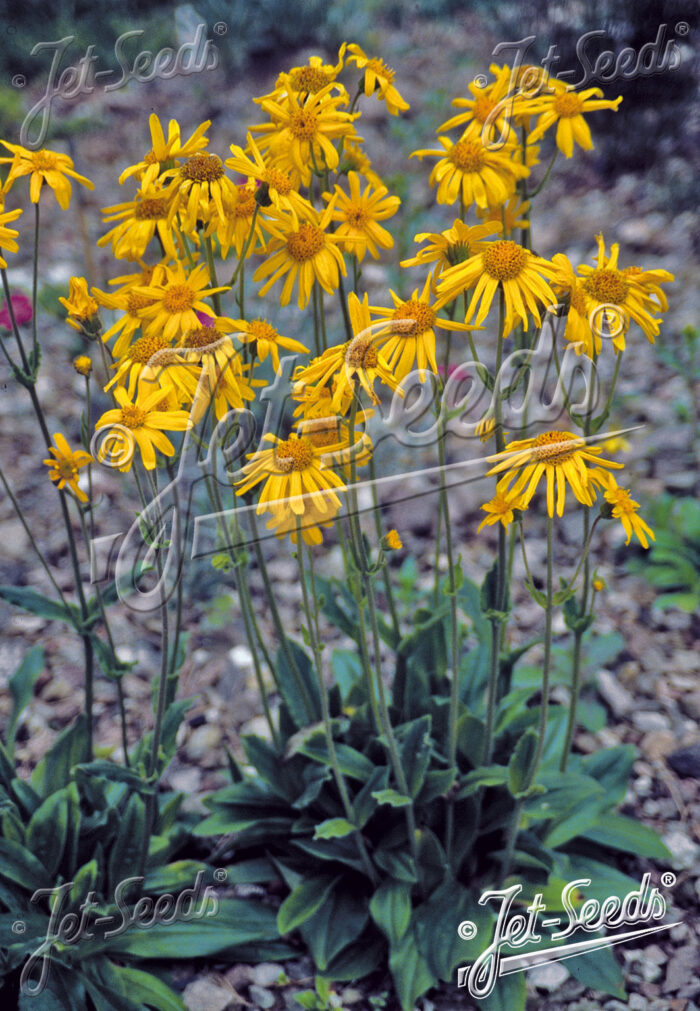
[392, 797]
[289, 688]
[436, 922]
[21, 686]
[351, 762]
[611, 768]
[48, 830]
[173, 877]
[414, 750]
[598, 970]
[54, 769]
[620, 833]
[148, 989]
[489, 775]
[37, 603]
[510, 992]
[338, 923]
[390, 908]
[364, 803]
[303, 902]
[20, 866]
[397, 863]
[521, 762]
[410, 971]
[356, 961]
[333, 828]
[128, 846]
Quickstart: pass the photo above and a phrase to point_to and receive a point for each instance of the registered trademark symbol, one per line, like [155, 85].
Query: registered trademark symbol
[467, 930]
[220, 28]
[220, 874]
[481, 80]
[19, 927]
[668, 879]
[682, 28]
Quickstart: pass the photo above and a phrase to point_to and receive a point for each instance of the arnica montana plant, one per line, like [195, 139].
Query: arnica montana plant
[421, 762]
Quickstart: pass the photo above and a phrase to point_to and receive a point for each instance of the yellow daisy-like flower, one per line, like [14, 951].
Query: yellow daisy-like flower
[414, 342]
[648, 283]
[345, 366]
[311, 77]
[304, 250]
[302, 131]
[176, 297]
[476, 173]
[146, 423]
[129, 303]
[265, 340]
[358, 214]
[504, 263]
[616, 297]
[163, 153]
[80, 305]
[233, 229]
[7, 235]
[83, 365]
[578, 328]
[139, 220]
[488, 107]
[559, 456]
[598, 584]
[454, 245]
[498, 510]
[355, 159]
[131, 366]
[298, 487]
[218, 368]
[64, 465]
[50, 167]
[276, 186]
[378, 77]
[624, 508]
[198, 189]
[567, 108]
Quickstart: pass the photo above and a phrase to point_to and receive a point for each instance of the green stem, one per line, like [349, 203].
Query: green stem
[35, 276]
[246, 248]
[573, 706]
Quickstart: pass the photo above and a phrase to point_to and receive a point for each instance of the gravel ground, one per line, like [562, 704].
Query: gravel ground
[650, 690]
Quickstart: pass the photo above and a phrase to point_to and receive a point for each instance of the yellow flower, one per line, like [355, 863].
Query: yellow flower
[355, 159]
[64, 465]
[414, 343]
[513, 214]
[218, 368]
[131, 366]
[615, 297]
[566, 109]
[82, 308]
[146, 424]
[50, 167]
[128, 302]
[298, 487]
[276, 186]
[578, 328]
[82, 365]
[624, 508]
[392, 541]
[504, 263]
[265, 340]
[469, 170]
[8, 235]
[233, 229]
[164, 152]
[378, 77]
[177, 297]
[560, 456]
[499, 509]
[139, 220]
[598, 584]
[305, 251]
[344, 366]
[302, 131]
[311, 77]
[198, 189]
[358, 214]
[488, 107]
[454, 245]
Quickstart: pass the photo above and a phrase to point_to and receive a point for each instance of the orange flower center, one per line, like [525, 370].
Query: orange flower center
[547, 447]
[202, 168]
[262, 330]
[201, 337]
[303, 124]
[482, 108]
[178, 298]
[134, 302]
[356, 216]
[421, 313]
[305, 243]
[567, 105]
[151, 209]
[468, 155]
[132, 416]
[66, 469]
[380, 68]
[277, 180]
[504, 259]
[607, 286]
[310, 79]
[361, 354]
[245, 205]
[294, 454]
[44, 161]
[145, 347]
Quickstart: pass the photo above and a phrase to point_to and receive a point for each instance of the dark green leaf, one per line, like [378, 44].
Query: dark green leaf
[128, 846]
[37, 603]
[48, 829]
[620, 833]
[390, 908]
[21, 686]
[54, 769]
[303, 902]
[521, 762]
[410, 970]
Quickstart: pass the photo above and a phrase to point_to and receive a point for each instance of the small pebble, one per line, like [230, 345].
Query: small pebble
[262, 998]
